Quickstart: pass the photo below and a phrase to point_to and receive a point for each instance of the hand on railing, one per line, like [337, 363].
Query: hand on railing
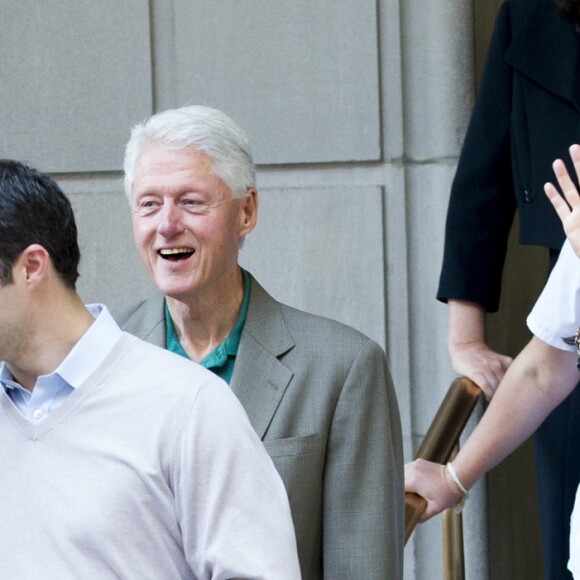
[437, 447]
[428, 481]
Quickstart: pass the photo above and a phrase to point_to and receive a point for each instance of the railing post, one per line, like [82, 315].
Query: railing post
[453, 557]
[442, 437]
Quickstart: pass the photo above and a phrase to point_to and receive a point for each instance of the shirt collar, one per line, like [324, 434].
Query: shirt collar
[92, 349]
[87, 354]
[6, 377]
[229, 347]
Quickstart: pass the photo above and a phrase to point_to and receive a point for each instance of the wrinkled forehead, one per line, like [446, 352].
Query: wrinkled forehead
[161, 167]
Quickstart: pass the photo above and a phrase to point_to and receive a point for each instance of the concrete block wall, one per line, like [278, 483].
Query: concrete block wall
[74, 75]
[356, 112]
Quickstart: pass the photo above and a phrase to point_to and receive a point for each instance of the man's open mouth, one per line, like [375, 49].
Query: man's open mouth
[175, 254]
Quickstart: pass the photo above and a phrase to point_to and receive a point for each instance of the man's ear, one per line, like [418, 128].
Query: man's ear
[33, 264]
[249, 213]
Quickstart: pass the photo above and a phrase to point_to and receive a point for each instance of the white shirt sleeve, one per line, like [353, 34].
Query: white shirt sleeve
[556, 314]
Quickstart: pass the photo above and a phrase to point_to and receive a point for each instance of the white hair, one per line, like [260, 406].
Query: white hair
[202, 129]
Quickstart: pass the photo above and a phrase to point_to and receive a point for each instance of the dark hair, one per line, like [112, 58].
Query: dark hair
[570, 7]
[34, 210]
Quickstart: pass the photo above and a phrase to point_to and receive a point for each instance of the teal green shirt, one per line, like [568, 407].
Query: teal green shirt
[222, 358]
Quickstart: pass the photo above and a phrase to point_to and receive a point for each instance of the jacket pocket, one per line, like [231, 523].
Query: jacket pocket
[290, 446]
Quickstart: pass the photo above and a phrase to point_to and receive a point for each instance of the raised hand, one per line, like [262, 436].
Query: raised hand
[566, 199]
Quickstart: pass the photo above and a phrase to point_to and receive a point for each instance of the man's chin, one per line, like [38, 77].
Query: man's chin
[177, 289]
[177, 293]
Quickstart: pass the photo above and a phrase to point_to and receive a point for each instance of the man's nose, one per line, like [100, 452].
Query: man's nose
[170, 220]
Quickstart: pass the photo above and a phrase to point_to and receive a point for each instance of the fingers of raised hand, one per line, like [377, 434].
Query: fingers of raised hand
[565, 182]
[558, 202]
[574, 151]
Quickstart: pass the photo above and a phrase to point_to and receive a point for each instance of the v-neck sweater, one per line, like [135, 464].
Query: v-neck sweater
[150, 469]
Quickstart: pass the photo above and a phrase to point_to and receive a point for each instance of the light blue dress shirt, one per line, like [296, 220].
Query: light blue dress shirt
[51, 390]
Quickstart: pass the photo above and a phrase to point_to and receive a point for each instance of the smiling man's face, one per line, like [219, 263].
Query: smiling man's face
[186, 225]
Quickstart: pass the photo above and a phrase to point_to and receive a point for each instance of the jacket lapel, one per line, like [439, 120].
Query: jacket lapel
[147, 320]
[545, 48]
[260, 379]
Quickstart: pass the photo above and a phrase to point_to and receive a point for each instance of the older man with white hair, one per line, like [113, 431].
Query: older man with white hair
[317, 393]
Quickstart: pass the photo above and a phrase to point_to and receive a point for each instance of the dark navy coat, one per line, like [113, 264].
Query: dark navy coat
[526, 114]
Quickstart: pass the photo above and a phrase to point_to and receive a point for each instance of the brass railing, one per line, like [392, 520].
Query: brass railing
[439, 444]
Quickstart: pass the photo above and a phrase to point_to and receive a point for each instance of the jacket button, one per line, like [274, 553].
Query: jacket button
[527, 196]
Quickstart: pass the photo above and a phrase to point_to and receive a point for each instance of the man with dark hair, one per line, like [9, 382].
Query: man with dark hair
[118, 459]
[25, 193]
[318, 393]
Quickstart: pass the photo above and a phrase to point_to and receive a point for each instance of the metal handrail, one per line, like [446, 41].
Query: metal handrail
[442, 437]
[453, 557]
